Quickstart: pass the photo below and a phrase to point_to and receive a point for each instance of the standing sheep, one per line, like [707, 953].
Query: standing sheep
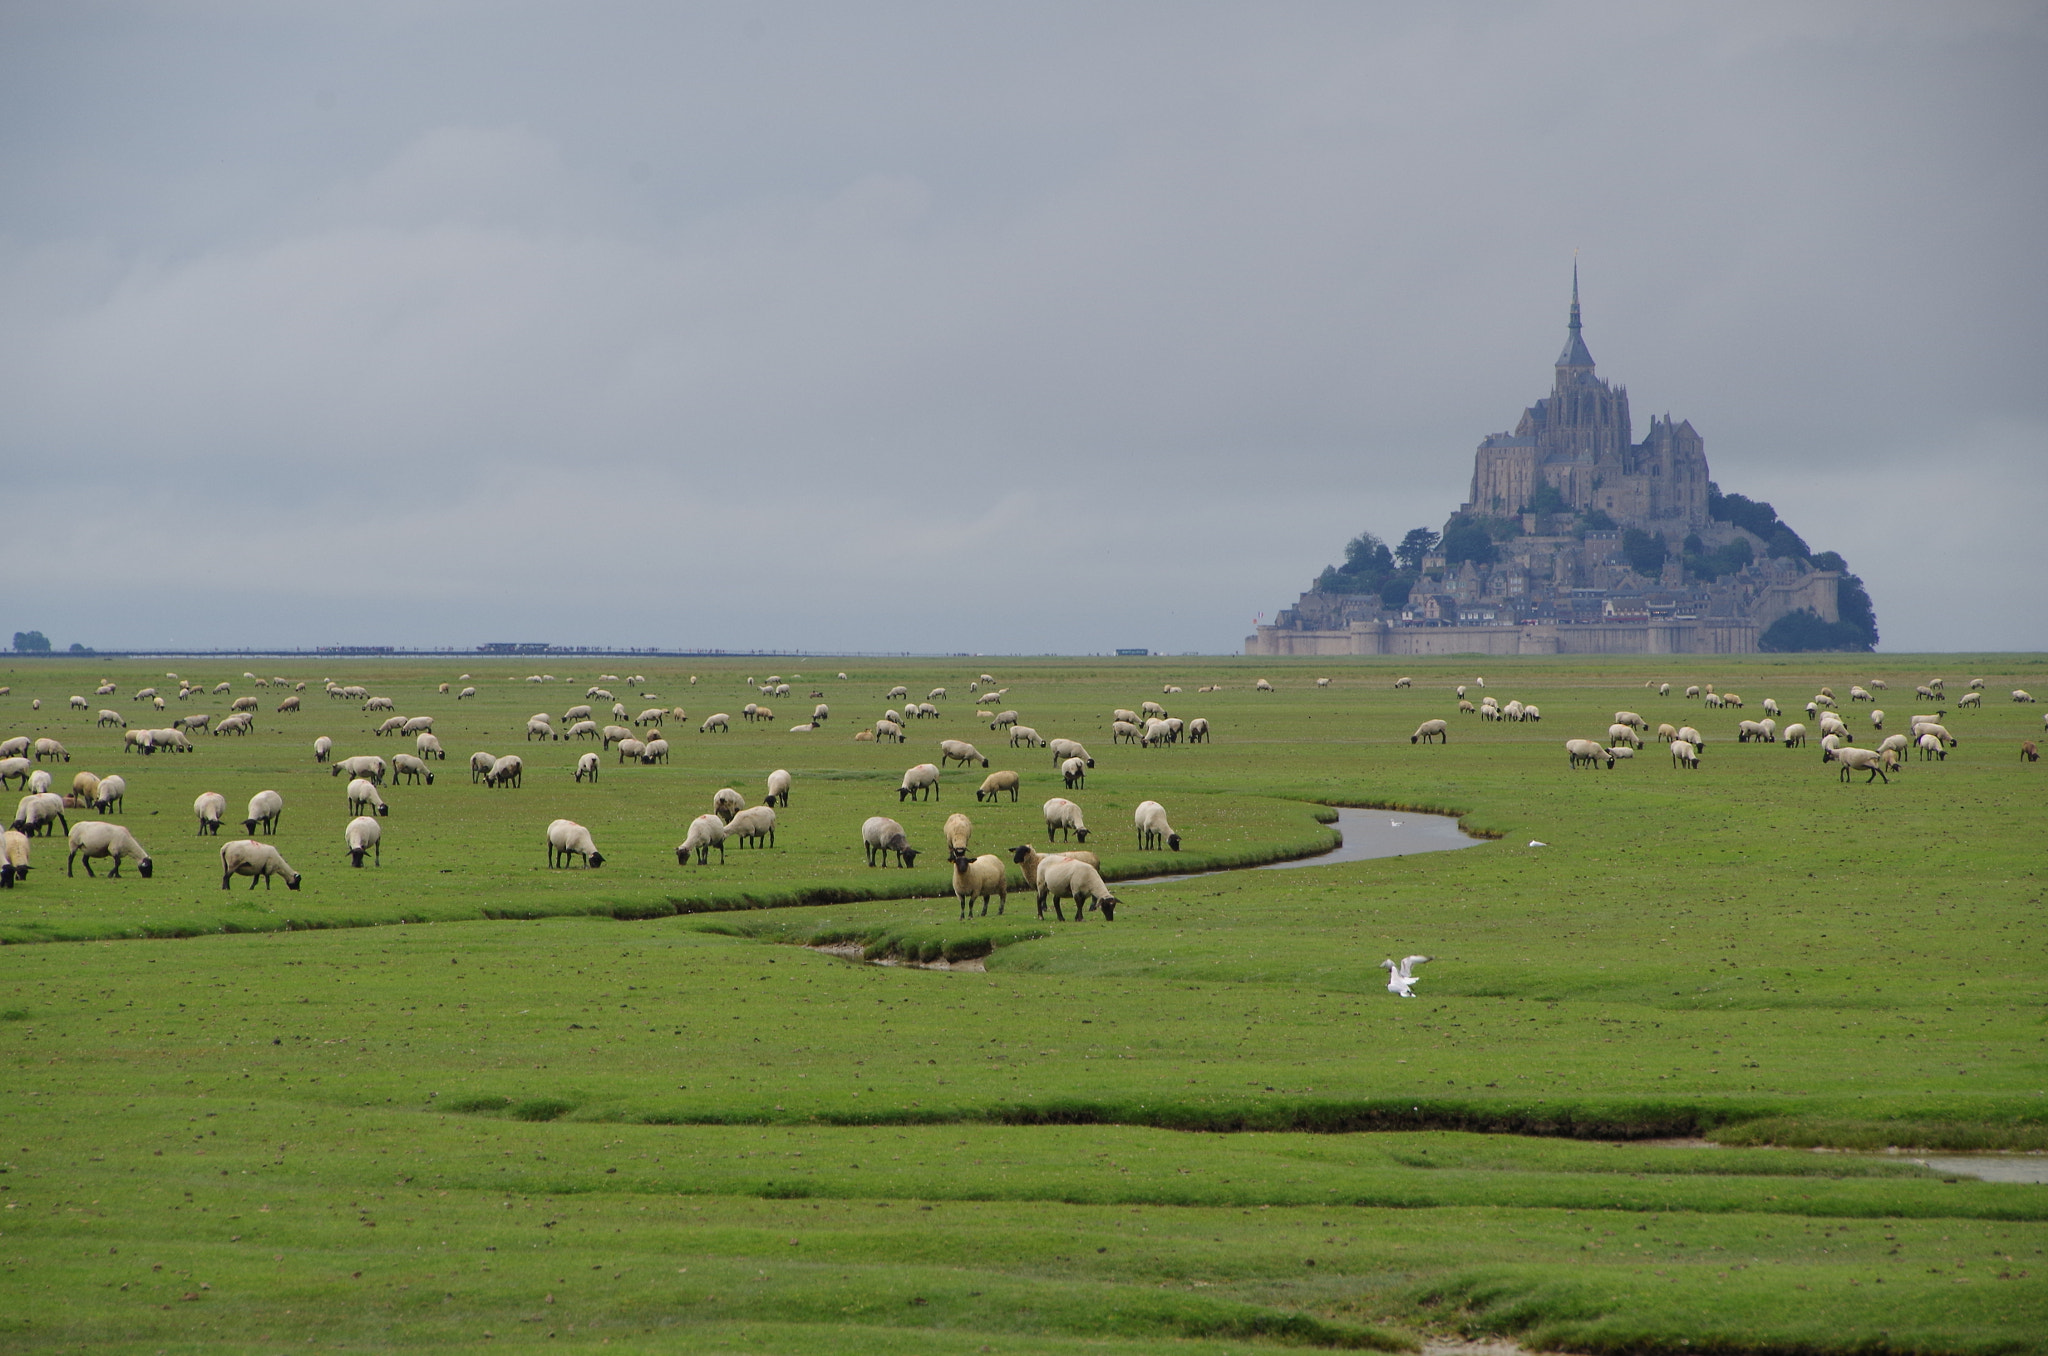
[480, 764]
[265, 809]
[1683, 754]
[880, 836]
[753, 826]
[1153, 828]
[586, 767]
[959, 751]
[1074, 773]
[363, 834]
[566, 839]
[1431, 731]
[726, 802]
[257, 861]
[506, 771]
[1588, 753]
[39, 810]
[405, 765]
[995, 784]
[1063, 816]
[322, 747]
[918, 782]
[1198, 730]
[210, 808]
[1063, 749]
[720, 722]
[978, 879]
[778, 788]
[706, 832]
[113, 790]
[13, 858]
[101, 839]
[1066, 878]
[363, 797]
[957, 831]
[427, 746]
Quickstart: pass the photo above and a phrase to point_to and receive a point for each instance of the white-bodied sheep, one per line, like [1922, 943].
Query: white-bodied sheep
[881, 836]
[1067, 878]
[101, 839]
[1430, 731]
[322, 747]
[52, 750]
[753, 827]
[1024, 736]
[1619, 733]
[429, 746]
[1062, 816]
[380, 704]
[957, 831]
[466, 692]
[1623, 752]
[2021, 696]
[980, 878]
[1400, 683]
[778, 788]
[1692, 737]
[85, 786]
[363, 834]
[111, 718]
[210, 808]
[961, 752]
[112, 791]
[1003, 720]
[1123, 732]
[656, 751]
[405, 765]
[1029, 860]
[566, 839]
[993, 785]
[40, 810]
[14, 853]
[362, 765]
[1930, 746]
[586, 768]
[1587, 753]
[537, 728]
[1074, 773]
[506, 771]
[479, 764]
[1153, 828]
[12, 768]
[40, 780]
[363, 797]
[630, 748]
[705, 833]
[720, 722]
[919, 782]
[17, 747]
[1198, 730]
[257, 861]
[1262, 686]
[237, 725]
[1793, 736]
[726, 802]
[1063, 749]
[1683, 754]
[1854, 759]
[266, 808]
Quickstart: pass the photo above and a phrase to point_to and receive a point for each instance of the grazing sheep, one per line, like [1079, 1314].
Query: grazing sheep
[1859, 760]
[112, 791]
[2029, 753]
[1029, 861]
[618, 710]
[1003, 720]
[1063, 749]
[1400, 683]
[1971, 701]
[1151, 710]
[380, 704]
[753, 827]
[536, 728]
[881, 836]
[1025, 736]
[85, 786]
[1631, 719]
[17, 747]
[322, 747]
[38, 810]
[586, 768]
[1431, 730]
[918, 782]
[1692, 737]
[237, 725]
[363, 834]
[1771, 707]
[895, 717]
[958, 751]
[720, 722]
[1928, 727]
[288, 704]
[13, 858]
[405, 765]
[1794, 736]
[1683, 754]
[1747, 730]
[1896, 744]
[651, 716]
[1262, 686]
[1122, 732]
[51, 749]
[194, 722]
[210, 808]
[479, 764]
[267, 807]
[897, 691]
[2020, 695]
[1976, 684]
[1062, 816]
[1930, 746]
[778, 788]
[1587, 753]
[506, 771]
[978, 879]
[101, 839]
[582, 729]
[957, 831]
[1153, 828]
[1623, 752]
[655, 752]
[1074, 773]
[993, 785]
[1198, 730]
[1531, 713]
[1663, 689]
[40, 781]
[364, 797]
[111, 718]
[15, 767]
[466, 692]
[257, 861]
[888, 731]
[1692, 691]
[418, 725]
[630, 748]
[566, 839]
[613, 734]
[428, 746]
[362, 765]
[705, 833]
[1618, 733]
[1859, 694]
[726, 802]
[1065, 878]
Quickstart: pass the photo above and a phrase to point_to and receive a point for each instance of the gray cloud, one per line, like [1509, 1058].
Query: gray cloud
[937, 328]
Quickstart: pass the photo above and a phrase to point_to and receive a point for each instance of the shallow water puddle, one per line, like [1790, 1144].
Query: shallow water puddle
[1365, 834]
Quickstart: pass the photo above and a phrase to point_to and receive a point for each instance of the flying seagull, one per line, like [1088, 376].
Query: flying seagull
[1401, 978]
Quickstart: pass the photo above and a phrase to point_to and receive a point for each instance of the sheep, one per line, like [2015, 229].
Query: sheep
[405, 765]
[1063, 816]
[957, 831]
[651, 716]
[958, 751]
[537, 728]
[1971, 701]
[506, 771]
[720, 722]
[379, 704]
[1924, 692]
[984, 876]
[889, 731]
[881, 836]
[1024, 736]
[144, 694]
[1123, 732]
[618, 710]
[993, 785]
[1828, 744]
[1170, 689]
[897, 691]
[364, 797]
[1860, 760]
[726, 802]
[1895, 743]
[1003, 720]
[1622, 752]
[479, 764]
[654, 751]
[1513, 711]
[51, 749]
[40, 781]
[322, 747]
[266, 808]
[363, 834]
[1631, 719]
[1198, 730]
[417, 725]
[429, 746]
[2021, 696]
[1747, 730]
[1928, 727]
[582, 729]
[1074, 773]
[1770, 729]
[257, 861]
[362, 765]
[778, 788]
[37, 811]
[1151, 710]
[288, 704]
[1624, 734]
[566, 839]
[1157, 732]
[822, 713]
[1771, 707]
[17, 747]
[1663, 689]
[1683, 754]
[1431, 730]
[917, 781]
[1066, 878]
[466, 692]
[1794, 736]
[85, 786]
[237, 725]
[170, 740]
[1859, 694]
[1587, 753]
[1692, 691]
[1063, 749]
[1930, 746]
[112, 791]
[209, 808]
[863, 736]
[111, 718]
[2029, 752]
[1400, 683]
[1029, 861]
[193, 722]
[753, 826]
[1531, 713]
[1262, 686]
[101, 839]
[1692, 737]
[1732, 699]
[13, 858]
[15, 767]
[1153, 828]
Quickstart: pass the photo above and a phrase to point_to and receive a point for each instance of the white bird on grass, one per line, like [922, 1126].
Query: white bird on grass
[1401, 978]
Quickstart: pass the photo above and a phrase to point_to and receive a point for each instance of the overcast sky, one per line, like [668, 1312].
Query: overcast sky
[978, 327]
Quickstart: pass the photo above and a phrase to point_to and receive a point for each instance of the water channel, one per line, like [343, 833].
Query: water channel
[1364, 834]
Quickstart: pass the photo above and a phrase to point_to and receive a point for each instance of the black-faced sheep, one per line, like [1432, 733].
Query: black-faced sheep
[101, 839]
[1153, 830]
[363, 834]
[265, 809]
[986, 875]
[705, 833]
[1068, 878]
[257, 861]
[566, 839]
[1062, 816]
[881, 836]
[919, 783]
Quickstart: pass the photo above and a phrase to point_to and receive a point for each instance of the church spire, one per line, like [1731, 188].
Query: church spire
[1575, 354]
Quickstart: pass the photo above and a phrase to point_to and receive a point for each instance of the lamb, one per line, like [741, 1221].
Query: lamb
[1794, 736]
[655, 752]
[1619, 733]
[1066, 878]
[726, 802]
[363, 834]
[210, 808]
[505, 771]
[14, 767]
[1063, 749]
[1861, 760]
[101, 839]
[405, 765]
[257, 861]
[1683, 754]
[1153, 828]
[566, 839]
[881, 836]
[479, 764]
[112, 791]
[1587, 753]
[720, 722]
[958, 829]
[753, 826]
[1024, 735]
[13, 858]
[37, 811]
[958, 751]
[778, 788]
[918, 781]
[1063, 816]
[51, 749]
[993, 785]
[364, 797]
[984, 876]
[1431, 730]
[705, 833]
[266, 808]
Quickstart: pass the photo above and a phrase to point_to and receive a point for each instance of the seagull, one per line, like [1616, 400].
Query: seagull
[1393, 823]
[1401, 978]
[1534, 843]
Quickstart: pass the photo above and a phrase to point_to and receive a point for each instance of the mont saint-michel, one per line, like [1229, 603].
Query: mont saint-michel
[1577, 539]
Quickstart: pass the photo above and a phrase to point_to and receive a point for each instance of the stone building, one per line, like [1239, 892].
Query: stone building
[1560, 582]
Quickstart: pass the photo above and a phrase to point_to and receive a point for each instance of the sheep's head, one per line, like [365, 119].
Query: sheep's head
[249, 825]
[595, 859]
[908, 856]
[1081, 835]
[1173, 841]
[291, 881]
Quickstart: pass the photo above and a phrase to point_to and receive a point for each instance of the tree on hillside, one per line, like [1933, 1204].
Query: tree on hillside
[1419, 542]
[31, 642]
[1645, 551]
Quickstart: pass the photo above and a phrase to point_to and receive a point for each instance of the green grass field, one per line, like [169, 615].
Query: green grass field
[462, 1100]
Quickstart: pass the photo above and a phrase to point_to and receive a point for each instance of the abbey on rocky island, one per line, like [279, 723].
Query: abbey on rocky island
[1576, 540]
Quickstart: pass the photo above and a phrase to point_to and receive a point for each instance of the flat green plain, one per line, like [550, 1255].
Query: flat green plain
[1642, 1101]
